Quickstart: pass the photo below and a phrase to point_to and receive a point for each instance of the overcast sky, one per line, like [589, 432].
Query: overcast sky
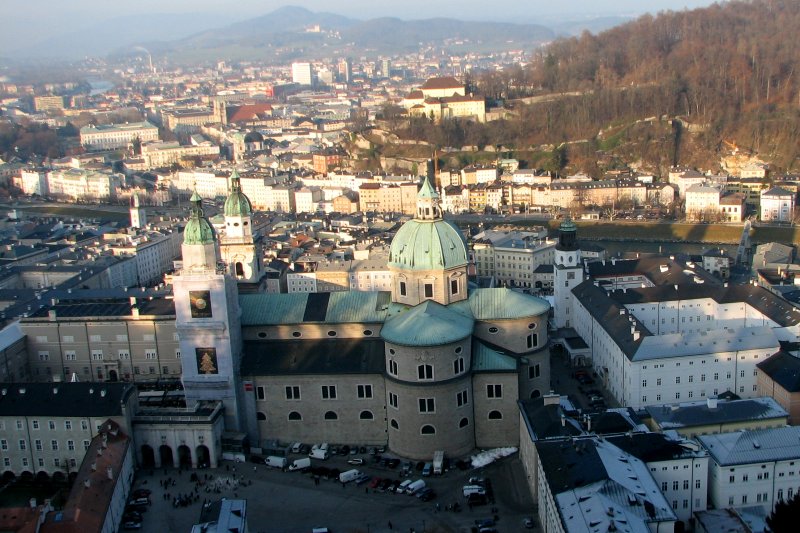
[35, 20]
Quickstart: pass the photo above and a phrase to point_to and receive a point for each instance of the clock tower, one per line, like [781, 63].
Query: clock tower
[207, 320]
[568, 273]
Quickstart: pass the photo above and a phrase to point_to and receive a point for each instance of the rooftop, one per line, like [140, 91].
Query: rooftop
[784, 369]
[64, 399]
[755, 446]
[691, 414]
[313, 356]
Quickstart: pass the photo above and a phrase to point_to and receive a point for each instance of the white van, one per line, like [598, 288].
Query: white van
[473, 489]
[401, 488]
[415, 486]
[317, 452]
[276, 462]
[348, 476]
[304, 463]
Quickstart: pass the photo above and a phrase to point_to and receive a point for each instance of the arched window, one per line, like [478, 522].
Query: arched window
[464, 422]
[393, 423]
[330, 415]
[294, 415]
[260, 416]
[366, 415]
[428, 429]
[535, 393]
[239, 269]
[495, 415]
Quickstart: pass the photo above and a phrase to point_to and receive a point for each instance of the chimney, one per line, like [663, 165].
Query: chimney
[636, 336]
[551, 398]
[563, 421]
[51, 315]
[87, 483]
[110, 473]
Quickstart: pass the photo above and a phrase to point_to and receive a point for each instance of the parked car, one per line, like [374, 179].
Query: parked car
[393, 463]
[296, 447]
[133, 516]
[476, 499]
[344, 450]
[384, 485]
[427, 469]
[130, 525]
[405, 468]
[363, 478]
[141, 493]
[426, 494]
[375, 482]
[355, 461]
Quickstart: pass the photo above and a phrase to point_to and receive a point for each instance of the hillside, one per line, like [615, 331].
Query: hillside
[284, 28]
[683, 87]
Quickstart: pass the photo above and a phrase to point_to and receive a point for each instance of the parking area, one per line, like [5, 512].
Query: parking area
[282, 501]
[582, 385]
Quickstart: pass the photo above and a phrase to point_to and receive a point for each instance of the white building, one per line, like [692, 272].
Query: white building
[77, 183]
[302, 73]
[512, 256]
[777, 205]
[682, 179]
[31, 182]
[753, 467]
[702, 202]
[161, 154]
[671, 344]
[112, 136]
[307, 199]
[153, 251]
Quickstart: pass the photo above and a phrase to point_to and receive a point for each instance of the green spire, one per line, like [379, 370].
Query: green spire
[198, 230]
[237, 204]
[427, 190]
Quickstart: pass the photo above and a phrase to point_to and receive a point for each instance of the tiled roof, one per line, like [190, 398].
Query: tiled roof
[503, 303]
[313, 356]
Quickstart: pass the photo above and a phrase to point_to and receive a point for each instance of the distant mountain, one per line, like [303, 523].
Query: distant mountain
[286, 27]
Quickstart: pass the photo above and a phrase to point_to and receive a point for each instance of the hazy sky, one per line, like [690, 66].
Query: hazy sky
[35, 20]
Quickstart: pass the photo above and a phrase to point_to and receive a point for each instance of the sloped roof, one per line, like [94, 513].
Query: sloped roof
[297, 308]
[246, 112]
[755, 446]
[784, 369]
[700, 414]
[503, 303]
[446, 82]
[488, 359]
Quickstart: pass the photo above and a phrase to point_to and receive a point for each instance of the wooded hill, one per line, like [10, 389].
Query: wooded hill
[729, 71]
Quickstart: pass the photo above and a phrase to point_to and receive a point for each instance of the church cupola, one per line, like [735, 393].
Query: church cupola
[428, 207]
[199, 243]
[568, 235]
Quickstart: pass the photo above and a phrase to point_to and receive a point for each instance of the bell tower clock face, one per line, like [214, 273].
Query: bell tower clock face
[200, 304]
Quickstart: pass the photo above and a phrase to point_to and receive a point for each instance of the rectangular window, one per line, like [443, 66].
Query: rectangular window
[97, 355]
[124, 355]
[3, 445]
[393, 367]
[68, 338]
[44, 356]
[71, 445]
[95, 338]
[454, 286]
[35, 424]
[85, 445]
[260, 393]
[38, 445]
[70, 355]
[364, 391]
[54, 445]
[51, 425]
[293, 392]
[494, 391]
[534, 371]
[393, 400]
[84, 425]
[429, 290]
[426, 405]
[461, 398]
[150, 354]
[329, 392]
[425, 372]
[23, 445]
[402, 288]
[458, 365]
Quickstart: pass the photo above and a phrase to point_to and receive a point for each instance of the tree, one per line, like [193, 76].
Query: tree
[786, 516]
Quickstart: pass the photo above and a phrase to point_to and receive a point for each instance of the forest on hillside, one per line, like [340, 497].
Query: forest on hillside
[730, 70]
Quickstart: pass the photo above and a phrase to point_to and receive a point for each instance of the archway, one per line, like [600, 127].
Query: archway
[72, 477]
[59, 478]
[535, 393]
[8, 476]
[113, 376]
[167, 460]
[184, 456]
[148, 456]
[203, 457]
[26, 477]
[42, 478]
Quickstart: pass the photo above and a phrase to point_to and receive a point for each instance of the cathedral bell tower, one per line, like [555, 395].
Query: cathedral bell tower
[568, 273]
[207, 320]
[240, 248]
[138, 214]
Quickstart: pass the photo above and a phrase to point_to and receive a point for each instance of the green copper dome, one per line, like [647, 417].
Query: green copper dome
[428, 245]
[237, 204]
[198, 230]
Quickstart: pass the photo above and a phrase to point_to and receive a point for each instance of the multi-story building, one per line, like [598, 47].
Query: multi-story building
[753, 467]
[48, 427]
[779, 378]
[48, 103]
[302, 73]
[112, 136]
[103, 340]
[31, 182]
[161, 154]
[75, 183]
[153, 251]
[702, 202]
[777, 205]
[713, 415]
[511, 257]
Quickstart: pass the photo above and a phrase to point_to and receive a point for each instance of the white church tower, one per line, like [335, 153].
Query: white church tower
[239, 246]
[207, 320]
[568, 273]
[138, 214]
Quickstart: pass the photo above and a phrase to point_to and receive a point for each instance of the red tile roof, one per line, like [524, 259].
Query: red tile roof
[448, 82]
[246, 112]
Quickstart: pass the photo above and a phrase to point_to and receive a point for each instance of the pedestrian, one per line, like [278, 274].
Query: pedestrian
[390, 524]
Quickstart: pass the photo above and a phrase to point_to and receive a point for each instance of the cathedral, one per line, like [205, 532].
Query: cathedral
[434, 364]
